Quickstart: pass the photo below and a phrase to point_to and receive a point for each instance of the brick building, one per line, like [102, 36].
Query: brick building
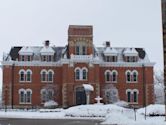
[33, 75]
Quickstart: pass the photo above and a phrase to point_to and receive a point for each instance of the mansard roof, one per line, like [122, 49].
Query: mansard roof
[62, 52]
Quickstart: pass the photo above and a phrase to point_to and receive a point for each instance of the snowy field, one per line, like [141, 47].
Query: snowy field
[110, 114]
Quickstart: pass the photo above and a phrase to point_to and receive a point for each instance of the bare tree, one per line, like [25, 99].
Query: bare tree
[159, 87]
[111, 93]
[48, 92]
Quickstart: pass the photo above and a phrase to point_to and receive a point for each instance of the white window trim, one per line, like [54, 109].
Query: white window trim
[28, 70]
[25, 91]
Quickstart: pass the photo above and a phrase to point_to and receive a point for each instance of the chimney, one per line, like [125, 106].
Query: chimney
[47, 43]
[107, 43]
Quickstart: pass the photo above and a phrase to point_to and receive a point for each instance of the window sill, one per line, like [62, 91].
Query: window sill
[110, 82]
[25, 82]
[131, 82]
[25, 103]
[47, 81]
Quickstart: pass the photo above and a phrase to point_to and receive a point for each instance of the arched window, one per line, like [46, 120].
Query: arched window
[46, 95]
[114, 76]
[84, 73]
[129, 95]
[128, 76]
[135, 76]
[22, 75]
[50, 75]
[25, 96]
[107, 76]
[77, 73]
[22, 96]
[43, 75]
[43, 95]
[135, 95]
[28, 96]
[28, 75]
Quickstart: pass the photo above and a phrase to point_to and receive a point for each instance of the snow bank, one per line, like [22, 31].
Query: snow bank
[50, 104]
[121, 103]
[155, 109]
[92, 110]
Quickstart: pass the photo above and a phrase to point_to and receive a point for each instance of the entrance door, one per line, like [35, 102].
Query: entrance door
[80, 96]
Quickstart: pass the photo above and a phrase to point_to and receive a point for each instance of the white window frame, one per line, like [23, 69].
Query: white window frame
[52, 75]
[41, 75]
[20, 71]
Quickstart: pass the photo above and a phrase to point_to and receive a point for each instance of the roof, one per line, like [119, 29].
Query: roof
[130, 52]
[110, 51]
[26, 51]
[47, 50]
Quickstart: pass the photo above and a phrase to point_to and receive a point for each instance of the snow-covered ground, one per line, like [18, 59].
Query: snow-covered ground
[110, 114]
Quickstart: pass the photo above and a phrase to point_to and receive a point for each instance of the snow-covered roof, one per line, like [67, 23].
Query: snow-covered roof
[110, 51]
[47, 50]
[130, 52]
[26, 50]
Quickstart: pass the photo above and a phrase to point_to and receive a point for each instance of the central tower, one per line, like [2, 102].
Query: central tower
[80, 40]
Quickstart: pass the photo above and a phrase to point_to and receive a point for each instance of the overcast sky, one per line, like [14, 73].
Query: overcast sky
[126, 23]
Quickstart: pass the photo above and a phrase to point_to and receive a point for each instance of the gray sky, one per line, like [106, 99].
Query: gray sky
[126, 23]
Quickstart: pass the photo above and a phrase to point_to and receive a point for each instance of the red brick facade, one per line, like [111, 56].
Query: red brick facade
[64, 78]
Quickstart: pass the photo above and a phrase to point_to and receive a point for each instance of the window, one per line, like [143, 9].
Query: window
[135, 96]
[77, 50]
[28, 58]
[22, 58]
[135, 76]
[81, 74]
[46, 95]
[128, 76]
[49, 58]
[132, 95]
[77, 74]
[114, 76]
[28, 97]
[28, 75]
[25, 96]
[131, 58]
[22, 97]
[107, 58]
[84, 72]
[113, 59]
[43, 76]
[22, 76]
[50, 76]
[44, 58]
[128, 96]
[83, 50]
[43, 96]
[107, 76]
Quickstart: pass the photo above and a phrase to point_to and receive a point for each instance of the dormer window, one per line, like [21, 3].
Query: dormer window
[111, 58]
[28, 58]
[47, 58]
[25, 54]
[47, 52]
[131, 59]
[110, 54]
[130, 55]
[22, 58]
